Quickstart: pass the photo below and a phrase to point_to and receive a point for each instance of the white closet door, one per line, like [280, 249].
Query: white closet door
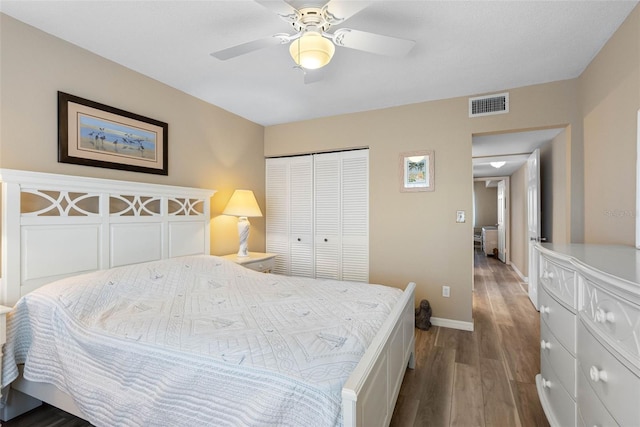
[318, 215]
[277, 216]
[355, 215]
[327, 171]
[301, 217]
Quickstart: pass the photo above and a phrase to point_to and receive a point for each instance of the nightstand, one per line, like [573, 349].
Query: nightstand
[3, 331]
[258, 261]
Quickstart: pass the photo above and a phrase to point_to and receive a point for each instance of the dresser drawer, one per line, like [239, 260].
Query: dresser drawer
[614, 318]
[559, 320]
[562, 406]
[559, 280]
[617, 387]
[563, 362]
[591, 412]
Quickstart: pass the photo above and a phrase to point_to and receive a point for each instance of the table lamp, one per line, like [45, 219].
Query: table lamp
[243, 204]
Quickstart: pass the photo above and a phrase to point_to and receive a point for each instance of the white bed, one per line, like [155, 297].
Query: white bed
[81, 225]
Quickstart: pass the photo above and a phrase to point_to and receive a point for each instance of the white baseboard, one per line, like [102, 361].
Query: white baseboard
[520, 275]
[453, 324]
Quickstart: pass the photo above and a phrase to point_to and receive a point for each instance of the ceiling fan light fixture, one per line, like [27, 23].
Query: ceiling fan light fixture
[312, 50]
[498, 165]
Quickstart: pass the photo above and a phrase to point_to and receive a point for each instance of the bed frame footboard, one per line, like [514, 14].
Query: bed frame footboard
[370, 393]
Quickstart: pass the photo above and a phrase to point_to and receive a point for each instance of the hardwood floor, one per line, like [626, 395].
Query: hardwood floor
[480, 378]
[46, 416]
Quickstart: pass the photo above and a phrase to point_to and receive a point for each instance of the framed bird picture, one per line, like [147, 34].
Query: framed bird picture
[94, 134]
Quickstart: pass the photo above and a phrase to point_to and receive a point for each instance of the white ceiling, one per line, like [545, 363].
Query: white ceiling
[512, 148]
[462, 48]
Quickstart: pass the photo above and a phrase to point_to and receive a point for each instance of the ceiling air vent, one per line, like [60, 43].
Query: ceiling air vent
[489, 104]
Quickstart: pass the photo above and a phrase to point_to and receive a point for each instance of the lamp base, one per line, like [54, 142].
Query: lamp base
[243, 234]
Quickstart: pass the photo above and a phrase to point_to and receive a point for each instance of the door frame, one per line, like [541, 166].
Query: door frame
[534, 217]
[507, 212]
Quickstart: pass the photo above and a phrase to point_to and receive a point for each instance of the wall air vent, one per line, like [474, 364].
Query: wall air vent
[489, 104]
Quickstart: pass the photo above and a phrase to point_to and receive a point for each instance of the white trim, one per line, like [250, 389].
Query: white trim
[453, 324]
[522, 277]
[637, 213]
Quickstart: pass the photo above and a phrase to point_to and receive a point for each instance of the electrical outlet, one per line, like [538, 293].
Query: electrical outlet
[445, 291]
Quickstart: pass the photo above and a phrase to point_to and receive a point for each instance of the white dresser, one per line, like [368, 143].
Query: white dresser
[589, 298]
[489, 239]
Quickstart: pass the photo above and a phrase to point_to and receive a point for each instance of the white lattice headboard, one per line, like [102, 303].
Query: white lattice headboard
[55, 226]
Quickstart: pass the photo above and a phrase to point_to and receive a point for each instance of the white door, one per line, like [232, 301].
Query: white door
[318, 215]
[502, 210]
[533, 221]
[289, 186]
[355, 216]
[328, 231]
[277, 215]
[342, 215]
[301, 216]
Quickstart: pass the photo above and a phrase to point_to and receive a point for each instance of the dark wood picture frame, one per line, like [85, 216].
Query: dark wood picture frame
[94, 134]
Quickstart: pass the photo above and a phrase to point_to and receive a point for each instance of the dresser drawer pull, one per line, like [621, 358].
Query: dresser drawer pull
[544, 309]
[546, 383]
[604, 316]
[597, 375]
[545, 345]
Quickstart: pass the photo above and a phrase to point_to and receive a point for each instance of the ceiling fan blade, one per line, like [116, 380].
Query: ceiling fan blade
[337, 11]
[241, 49]
[370, 42]
[283, 9]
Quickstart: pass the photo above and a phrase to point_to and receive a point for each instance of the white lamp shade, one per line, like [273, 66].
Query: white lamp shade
[312, 51]
[243, 203]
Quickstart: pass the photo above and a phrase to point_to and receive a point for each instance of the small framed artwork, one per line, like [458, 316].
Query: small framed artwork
[416, 171]
[94, 134]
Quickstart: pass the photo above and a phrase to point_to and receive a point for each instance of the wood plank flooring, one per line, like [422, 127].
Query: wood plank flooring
[481, 378]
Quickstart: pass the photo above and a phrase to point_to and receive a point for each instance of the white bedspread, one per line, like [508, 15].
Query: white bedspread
[196, 341]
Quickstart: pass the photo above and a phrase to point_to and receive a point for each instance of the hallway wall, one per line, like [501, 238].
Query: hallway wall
[485, 204]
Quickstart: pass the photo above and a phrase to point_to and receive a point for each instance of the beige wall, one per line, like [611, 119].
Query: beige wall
[208, 147]
[486, 204]
[414, 236]
[610, 99]
[518, 220]
[555, 176]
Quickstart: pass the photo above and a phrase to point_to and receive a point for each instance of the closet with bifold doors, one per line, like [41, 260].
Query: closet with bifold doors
[318, 214]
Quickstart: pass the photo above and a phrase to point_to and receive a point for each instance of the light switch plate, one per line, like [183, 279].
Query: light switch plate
[460, 216]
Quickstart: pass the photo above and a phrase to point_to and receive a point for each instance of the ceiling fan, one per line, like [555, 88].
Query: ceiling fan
[312, 45]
